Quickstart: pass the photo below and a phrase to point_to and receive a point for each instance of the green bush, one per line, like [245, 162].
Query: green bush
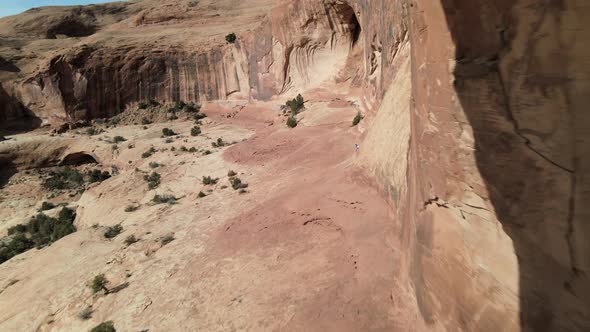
[153, 180]
[66, 178]
[20, 228]
[119, 139]
[231, 174]
[46, 206]
[131, 239]
[231, 38]
[142, 105]
[169, 140]
[149, 153]
[236, 183]
[207, 180]
[99, 284]
[296, 105]
[131, 208]
[168, 132]
[183, 149]
[192, 149]
[291, 122]
[199, 116]
[97, 176]
[195, 131]
[206, 152]
[192, 108]
[113, 231]
[104, 327]
[167, 239]
[201, 194]
[357, 119]
[161, 199]
[219, 143]
[154, 164]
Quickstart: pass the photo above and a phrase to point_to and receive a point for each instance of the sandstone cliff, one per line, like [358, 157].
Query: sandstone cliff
[476, 124]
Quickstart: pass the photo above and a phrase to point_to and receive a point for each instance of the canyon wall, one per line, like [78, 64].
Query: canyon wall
[475, 129]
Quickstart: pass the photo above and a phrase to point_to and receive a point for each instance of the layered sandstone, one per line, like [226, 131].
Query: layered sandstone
[476, 128]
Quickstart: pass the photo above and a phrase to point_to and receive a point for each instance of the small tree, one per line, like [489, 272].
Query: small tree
[291, 122]
[99, 283]
[168, 132]
[153, 180]
[357, 119]
[195, 131]
[46, 206]
[119, 139]
[104, 327]
[113, 231]
[131, 239]
[231, 38]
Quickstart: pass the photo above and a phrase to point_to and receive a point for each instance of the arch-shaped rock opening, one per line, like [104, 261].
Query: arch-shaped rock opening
[349, 21]
[78, 158]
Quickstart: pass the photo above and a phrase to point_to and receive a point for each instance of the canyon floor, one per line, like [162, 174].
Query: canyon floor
[309, 246]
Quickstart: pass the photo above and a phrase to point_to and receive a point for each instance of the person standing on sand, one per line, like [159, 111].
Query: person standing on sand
[356, 147]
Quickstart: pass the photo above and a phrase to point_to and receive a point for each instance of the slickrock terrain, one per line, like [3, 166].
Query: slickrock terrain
[342, 165]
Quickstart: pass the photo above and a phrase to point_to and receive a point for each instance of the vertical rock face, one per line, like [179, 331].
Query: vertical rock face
[479, 132]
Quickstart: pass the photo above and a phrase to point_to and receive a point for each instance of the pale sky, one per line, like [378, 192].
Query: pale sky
[12, 7]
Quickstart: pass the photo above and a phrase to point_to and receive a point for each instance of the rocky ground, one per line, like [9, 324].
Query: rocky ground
[225, 261]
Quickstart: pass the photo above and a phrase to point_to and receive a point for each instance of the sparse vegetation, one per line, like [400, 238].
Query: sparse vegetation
[40, 231]
[161, 199]
[195, 131]
[153, 180]
[166, 239]
[292, 122]
[231, 173]
[357, 119]
[131, 208]
[207, 180]
[91, 131]
[201, 194]
[104, 327]
[199, 116]
[206, 152]
[192, 108]
[236, 183]
[149, 153]
[183, 149]
[296, 105]
[145, 121]
[131, 239]
[66, 178]
[113, 231]
[231, 38]
[142, 105]
[219, 143]
[154, 164]
[96, 175]
[99, 283]
[192, 149]
[46, 206]
[86, 313]
[169, 140]
[119, 139]
[168, 132]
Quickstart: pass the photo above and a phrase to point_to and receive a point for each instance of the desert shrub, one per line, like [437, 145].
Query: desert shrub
[206, 152]
[154, 164]
[149, 153]
[242, 191]
[192, 108]
[99, 283]
[195, 131]
[113, 231]
[231, 173]
[173, 149]
[169, 140]
[46, 206]
[119, 139]
[199, 116]
[86, 313]
[130, 146]
[291, 122]
[20, 228]
[167, 239]
[192, 149]
[131, 239]
[357, 119]
[201, 194]
[91, 131]
[179, 105]
[183, 148]
[114, 147]
[207, 180]
[236, 183]
[153, 180]
[66, 178]
[97, 176]
[161, 199]
[104, 327]
[153, 103]
[142, 105]
[168, 132]
[145, 121]
[219, 143]
[296, 104]
[231, 38]
[131, 208]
